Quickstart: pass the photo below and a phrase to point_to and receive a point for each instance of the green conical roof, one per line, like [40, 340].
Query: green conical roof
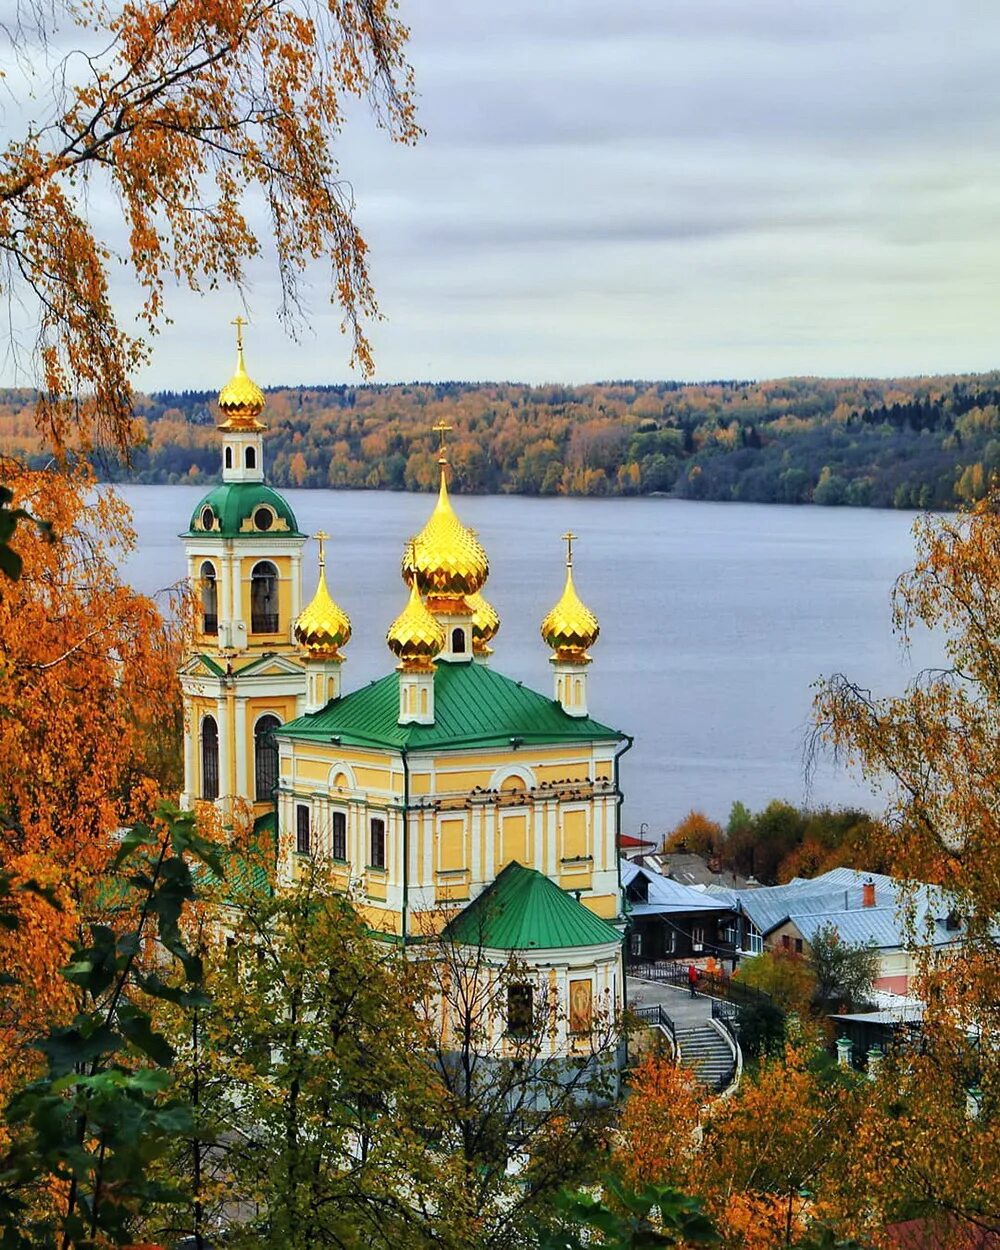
[523, 910]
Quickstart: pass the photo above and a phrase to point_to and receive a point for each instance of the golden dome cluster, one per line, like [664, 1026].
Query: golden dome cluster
[445, 567]
[323, 627]
[570, 628]
[241, 401]
[416, 636]
[446, 559]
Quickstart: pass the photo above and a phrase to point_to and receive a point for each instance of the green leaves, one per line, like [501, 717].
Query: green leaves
[656, 1215]
[10, 561]
[103, 1113]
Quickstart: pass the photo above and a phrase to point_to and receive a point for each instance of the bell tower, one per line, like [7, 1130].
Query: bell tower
[243, 674]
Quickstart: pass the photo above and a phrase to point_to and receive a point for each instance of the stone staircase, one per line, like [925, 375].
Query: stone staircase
[708, 1053]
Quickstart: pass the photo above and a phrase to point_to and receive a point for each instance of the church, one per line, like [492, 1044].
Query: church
[442, 797]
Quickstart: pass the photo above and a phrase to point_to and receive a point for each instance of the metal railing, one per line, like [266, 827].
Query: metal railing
[714, 984]
[656, 1016]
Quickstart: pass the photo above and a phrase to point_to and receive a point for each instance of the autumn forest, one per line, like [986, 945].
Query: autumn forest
[911, 443]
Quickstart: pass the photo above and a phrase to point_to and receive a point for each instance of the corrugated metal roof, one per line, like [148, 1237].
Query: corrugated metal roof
[880, 926]
[523, 910]
[473, 706]
[666, 895]
[811, 902]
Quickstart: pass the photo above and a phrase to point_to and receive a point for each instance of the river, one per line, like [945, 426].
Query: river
[716, 619]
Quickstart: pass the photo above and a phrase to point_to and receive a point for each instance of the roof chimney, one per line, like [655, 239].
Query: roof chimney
[868, 894]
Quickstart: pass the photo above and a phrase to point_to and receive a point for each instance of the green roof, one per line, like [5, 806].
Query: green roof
[473, 706]
[232, 503]
[523, 910]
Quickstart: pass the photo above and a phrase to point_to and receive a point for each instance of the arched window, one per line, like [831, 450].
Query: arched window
[264, 598]
[209, 599]
[250, 458]
[229, 457]
[265, 758]
[209, 758]
[458, 641]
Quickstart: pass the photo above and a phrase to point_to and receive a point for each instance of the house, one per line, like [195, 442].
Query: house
[668, 920]
[632, 847]
[898, 918]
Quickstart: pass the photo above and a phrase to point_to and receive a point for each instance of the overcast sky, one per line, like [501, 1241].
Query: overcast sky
[665, 189]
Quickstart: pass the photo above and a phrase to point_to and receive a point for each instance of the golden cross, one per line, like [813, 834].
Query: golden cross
[569, 538]
[321, 538]
[239, 323]
[442, 429]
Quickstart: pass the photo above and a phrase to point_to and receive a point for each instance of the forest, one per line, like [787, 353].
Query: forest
[903, 443]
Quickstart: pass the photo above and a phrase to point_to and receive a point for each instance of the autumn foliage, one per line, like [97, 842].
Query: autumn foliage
[89, 731]
[184, 112]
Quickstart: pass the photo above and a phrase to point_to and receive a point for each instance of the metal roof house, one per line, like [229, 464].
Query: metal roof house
[668, 920]
[898, 918]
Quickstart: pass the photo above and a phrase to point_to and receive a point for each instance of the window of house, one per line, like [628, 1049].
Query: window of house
[730, 932]
[755, 940]
[519, 1009]
[265, 757]
[798, 946]
[635, 944]
[697, 936]
[377, 857]
[209, 599]
[209, 758]
[786, 942]
[339, 835]
[302, 829]
[264, 598]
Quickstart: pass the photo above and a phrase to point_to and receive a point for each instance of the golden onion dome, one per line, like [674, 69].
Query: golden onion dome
[446, 559]
[416, 636]
[323, 626]
[241, 401]
[485, 623]
[570, 628]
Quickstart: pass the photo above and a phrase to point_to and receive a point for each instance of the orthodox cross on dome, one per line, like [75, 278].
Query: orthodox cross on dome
[239, 323]
[442, 428]
[321, 537]
[569, 538]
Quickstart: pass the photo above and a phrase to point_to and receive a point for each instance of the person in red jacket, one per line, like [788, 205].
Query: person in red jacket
[692, 978]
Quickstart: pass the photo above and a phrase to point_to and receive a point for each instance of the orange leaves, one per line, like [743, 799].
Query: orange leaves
[658, 1124]
[194, 106]
[89, 724]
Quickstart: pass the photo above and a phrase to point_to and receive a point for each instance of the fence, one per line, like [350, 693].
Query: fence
[656, 1016]
[717, 985]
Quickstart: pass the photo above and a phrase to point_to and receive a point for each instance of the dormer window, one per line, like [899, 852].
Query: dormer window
[263, 518]
[207, 519]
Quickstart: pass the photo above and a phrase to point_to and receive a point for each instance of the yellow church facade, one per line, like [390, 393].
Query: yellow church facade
[441, 786]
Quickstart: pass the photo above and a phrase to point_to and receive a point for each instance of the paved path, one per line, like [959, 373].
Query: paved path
[685, 1011]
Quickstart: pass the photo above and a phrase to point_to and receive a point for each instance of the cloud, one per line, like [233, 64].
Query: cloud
[679, 188]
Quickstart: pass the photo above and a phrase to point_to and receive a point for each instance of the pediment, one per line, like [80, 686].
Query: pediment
[271, 666]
